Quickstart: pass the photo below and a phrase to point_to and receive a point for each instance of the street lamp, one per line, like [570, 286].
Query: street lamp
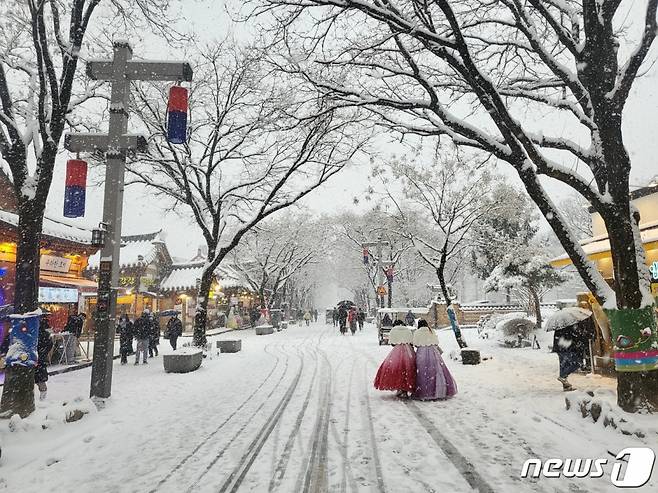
[98, 235]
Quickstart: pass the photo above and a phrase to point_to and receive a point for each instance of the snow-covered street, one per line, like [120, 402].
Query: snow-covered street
[296, 411]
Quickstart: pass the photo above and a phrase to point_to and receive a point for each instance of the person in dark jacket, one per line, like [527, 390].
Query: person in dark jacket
[125, 331]
[342, 319]
[334, 316]
[142, 333]
[44, 346]
[174, 330]
[361, 318]
[410, 319]
[569, 343]
[154, 336]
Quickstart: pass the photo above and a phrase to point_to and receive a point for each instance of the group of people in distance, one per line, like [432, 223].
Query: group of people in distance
[414, 367]
[353, 317]
[146, 331]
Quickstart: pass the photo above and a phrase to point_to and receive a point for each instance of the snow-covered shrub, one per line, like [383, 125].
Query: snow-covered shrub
[506, 328]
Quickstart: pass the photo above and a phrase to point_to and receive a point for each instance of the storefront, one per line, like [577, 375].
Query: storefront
[597, 250]
[65, 250]
[144, 262]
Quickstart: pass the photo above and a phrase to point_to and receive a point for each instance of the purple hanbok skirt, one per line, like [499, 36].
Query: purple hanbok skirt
[433, 379]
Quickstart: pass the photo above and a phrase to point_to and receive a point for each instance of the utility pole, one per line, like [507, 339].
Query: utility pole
[120, 72]
[380, 269]
[389, 264]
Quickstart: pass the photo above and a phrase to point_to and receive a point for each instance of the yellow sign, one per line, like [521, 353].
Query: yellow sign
[381, 291]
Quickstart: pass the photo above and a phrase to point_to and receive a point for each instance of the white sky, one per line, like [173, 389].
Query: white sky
[142, 214]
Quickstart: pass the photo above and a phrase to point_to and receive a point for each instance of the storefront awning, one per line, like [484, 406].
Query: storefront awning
[69, 282]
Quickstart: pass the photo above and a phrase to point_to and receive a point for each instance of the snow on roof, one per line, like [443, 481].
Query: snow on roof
[600, 244]
[146, 245]
[55, 228]
[416, 310]
[183, 277]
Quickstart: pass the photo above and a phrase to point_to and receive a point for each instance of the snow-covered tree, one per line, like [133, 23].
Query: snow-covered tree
[526, 267]
[41, 46]
[439, 207]
[479, 73]
[575, 210]
[510, 223]
[252, 151]
[269, 256]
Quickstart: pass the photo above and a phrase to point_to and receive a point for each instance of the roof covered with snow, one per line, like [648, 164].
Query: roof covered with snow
[183, 276]
[146, 245]
[54, 228]
[601, 244]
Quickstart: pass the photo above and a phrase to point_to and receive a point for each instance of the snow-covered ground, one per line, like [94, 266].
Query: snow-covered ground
[296, 411]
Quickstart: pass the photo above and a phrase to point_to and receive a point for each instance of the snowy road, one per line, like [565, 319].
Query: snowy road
[295, 411]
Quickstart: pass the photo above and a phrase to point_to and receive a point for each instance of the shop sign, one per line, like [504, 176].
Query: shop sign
[58, 295]
[55, 264]
[654, 271]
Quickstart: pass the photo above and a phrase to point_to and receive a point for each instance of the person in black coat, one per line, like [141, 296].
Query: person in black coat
[174, 330]
[142, 333]
[125, 331]
[44, 345]
[570, 343]
[154, 336]
[342, 319]
[361, 318]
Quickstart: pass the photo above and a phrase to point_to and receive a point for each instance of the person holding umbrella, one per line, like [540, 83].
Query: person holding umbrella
[570, 341]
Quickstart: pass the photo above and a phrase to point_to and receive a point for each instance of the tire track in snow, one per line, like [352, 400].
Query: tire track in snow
[381, 487]
[245, 424]
[315, 477]
[281, 466]
[342, 443]
[461, 463]
[238, 474]
[178, 466]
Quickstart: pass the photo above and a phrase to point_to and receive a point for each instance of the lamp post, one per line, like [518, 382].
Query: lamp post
[380, 270]
[138, 279]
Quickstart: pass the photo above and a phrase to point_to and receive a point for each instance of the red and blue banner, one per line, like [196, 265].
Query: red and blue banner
[75, 188]
[177, 115]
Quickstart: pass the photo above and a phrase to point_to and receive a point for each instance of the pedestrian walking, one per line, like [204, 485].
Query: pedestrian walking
[307, 317]
[44, 346]
[361, 318]
[570, 343]
[142, 332]
[125, 331]
[398, 371]
[410, 319]
[433, 379]
[315, 315]
[342, 319]
[334, 316]
[174, 330]
[351, 318]
[154, 336]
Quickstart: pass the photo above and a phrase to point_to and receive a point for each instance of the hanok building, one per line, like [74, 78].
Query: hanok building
[597, 248]
[180, 291]
[144, 262]
[65, 250]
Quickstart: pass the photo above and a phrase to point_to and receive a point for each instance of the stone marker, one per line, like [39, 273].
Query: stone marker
[263, 330]
[470, 356]
[230, 346]
[183, 361]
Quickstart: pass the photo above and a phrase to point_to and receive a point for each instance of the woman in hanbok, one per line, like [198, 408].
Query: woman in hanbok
[398, 371]
[433, 379]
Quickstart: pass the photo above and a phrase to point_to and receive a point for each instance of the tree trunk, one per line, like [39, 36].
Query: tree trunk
[537, 304]
[440, 273]
[201, 315]
[18, 389]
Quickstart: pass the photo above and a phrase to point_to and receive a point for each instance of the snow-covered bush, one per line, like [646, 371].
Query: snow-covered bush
[506, 328]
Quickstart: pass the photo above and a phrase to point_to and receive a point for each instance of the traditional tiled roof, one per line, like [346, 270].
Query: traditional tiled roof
[132, 246]
[54, 228]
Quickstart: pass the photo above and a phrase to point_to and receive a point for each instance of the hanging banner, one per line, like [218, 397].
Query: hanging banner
[177, 115]
[75, 188]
